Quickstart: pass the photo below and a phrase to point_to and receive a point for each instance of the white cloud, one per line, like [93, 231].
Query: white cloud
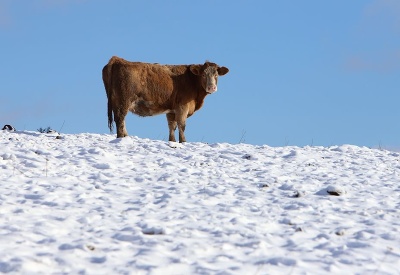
[58, 3]
[375, 43]
[383, 7]
[5, 16]
[382, 63]
[382, 15]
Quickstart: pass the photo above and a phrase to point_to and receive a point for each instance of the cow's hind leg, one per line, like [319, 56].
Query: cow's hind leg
[119, 118]
[172, 126]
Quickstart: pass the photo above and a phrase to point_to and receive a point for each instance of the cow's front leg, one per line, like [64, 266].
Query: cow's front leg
[172, 126]
[180, 117]
[181, 128]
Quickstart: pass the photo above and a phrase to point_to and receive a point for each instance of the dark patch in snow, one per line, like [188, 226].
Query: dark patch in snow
[8, 127]
[153, 231]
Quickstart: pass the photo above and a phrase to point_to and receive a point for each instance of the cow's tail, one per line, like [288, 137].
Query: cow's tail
[108, 86]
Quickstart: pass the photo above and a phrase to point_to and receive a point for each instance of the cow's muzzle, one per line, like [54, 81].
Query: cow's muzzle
[211, 89]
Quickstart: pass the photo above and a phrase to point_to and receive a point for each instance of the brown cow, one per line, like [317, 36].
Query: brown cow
[152, 89]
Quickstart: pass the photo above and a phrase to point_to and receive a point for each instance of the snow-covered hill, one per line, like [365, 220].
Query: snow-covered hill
[94, 204]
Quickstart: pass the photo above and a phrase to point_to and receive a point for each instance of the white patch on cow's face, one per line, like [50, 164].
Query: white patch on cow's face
[210, 79]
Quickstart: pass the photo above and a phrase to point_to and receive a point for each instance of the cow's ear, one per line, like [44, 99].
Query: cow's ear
[222, 70]
[195, 69]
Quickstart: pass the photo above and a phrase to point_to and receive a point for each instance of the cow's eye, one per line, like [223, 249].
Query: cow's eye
[204, 75]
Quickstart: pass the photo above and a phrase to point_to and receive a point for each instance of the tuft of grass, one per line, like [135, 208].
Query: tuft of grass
[242, 138]
[44, 130]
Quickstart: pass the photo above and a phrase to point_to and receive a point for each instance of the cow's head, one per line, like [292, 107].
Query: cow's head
[209, 73]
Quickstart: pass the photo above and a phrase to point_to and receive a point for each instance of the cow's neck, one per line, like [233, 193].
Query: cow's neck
[201, 95]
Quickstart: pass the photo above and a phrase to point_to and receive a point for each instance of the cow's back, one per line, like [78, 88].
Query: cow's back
[148, 89]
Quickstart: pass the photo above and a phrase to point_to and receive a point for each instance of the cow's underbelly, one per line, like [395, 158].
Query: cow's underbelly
[147, 108]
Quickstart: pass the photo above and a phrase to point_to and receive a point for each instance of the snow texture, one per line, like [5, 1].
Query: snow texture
[94, 204]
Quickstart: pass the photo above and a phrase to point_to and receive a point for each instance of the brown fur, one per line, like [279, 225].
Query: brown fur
[150, 89]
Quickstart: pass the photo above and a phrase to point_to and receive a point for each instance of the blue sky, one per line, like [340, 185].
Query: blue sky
[301, 72]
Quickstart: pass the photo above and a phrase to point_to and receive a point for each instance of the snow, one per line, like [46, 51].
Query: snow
[94, 204]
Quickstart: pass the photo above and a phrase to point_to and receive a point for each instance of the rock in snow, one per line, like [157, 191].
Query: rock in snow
[335, 190]
[93, 204]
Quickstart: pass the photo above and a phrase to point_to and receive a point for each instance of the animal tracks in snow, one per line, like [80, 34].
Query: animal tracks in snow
[135, 205]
